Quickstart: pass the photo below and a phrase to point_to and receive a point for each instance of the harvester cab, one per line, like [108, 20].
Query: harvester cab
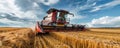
[57, 20]
[56, 17]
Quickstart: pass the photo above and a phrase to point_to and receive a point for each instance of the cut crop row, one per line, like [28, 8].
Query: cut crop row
[53, 43]
[80, 41]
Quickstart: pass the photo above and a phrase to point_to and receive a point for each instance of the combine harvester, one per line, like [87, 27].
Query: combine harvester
[57, 20]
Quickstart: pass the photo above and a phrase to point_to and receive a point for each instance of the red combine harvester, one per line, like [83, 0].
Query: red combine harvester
[57, 20]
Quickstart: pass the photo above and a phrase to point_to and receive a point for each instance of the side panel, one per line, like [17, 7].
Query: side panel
[54, 16]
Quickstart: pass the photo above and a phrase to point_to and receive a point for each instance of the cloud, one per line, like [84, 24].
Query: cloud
[11, 7]
[80, 7]
[77, 9]
[4, 22]
[12, 13]
[89, 4]
[48, 2]
[7, 22]
[107, 5]
[105, 21]
[10, 20]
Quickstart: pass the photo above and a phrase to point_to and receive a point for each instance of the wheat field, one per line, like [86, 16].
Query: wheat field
[26, 38]
[16, 38]
[95, 38]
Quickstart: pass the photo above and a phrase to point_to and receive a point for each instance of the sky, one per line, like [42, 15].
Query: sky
[92, 13]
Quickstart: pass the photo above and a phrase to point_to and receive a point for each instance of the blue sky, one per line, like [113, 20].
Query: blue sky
[93, 13]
